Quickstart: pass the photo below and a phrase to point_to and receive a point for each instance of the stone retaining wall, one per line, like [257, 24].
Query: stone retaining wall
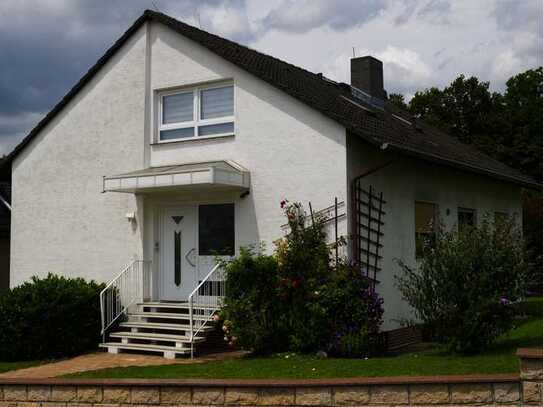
[494, 390]
[531, 374]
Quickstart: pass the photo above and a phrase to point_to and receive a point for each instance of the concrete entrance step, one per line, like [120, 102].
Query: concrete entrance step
[177, 305]
[160, 326]
[169, 352]
[168, 315]
[155, 337]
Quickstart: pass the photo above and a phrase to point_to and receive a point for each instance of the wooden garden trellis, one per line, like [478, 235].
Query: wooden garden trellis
[368, 233]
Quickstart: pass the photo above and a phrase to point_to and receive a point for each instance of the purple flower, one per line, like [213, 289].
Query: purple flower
[504, 301]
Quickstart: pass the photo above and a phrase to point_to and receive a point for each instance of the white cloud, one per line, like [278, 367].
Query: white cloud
[505, 65]
[405, 63]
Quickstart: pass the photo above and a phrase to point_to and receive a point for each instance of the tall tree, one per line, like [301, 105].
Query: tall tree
[523, 145]
[397, 99]
[463, 109]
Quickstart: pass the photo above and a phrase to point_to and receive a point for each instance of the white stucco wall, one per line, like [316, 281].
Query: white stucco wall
[405, 181]
[291, 150]
[61, 222]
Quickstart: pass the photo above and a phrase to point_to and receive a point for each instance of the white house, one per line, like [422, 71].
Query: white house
[179, 143]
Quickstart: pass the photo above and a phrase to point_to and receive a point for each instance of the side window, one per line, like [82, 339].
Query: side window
[425, 226]
[466, 218]
[216, 234]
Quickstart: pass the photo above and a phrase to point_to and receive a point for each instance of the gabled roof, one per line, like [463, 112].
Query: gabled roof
[377, 126]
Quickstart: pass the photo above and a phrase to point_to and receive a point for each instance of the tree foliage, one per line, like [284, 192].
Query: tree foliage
[465, 285]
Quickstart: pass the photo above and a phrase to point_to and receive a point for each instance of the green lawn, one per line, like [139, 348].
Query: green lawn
[500, 358]
[7, 366]
[532, 306]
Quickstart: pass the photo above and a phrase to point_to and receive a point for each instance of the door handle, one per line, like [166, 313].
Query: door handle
[187, 257]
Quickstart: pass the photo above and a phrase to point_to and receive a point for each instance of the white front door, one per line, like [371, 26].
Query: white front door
[178, 253]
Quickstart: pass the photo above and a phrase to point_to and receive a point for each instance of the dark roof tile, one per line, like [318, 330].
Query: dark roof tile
[332, 99]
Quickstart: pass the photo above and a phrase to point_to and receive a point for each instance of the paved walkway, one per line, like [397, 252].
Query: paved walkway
[104, 360]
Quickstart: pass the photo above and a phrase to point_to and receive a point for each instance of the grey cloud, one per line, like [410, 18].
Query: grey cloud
[436, 11]
[443, 64]
[433, 11]
[439, 52]
[15, 127]
[304, 15]
[522, 25]
[514, 14]
[407, 12]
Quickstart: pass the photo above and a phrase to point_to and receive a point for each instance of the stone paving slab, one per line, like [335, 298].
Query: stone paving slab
[104, 360]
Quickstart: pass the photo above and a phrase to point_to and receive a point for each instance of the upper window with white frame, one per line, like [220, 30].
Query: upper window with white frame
[196, 113]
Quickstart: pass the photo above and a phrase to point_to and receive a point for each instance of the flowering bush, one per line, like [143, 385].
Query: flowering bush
[251, 312]
[355, 313]
[298, 299]
[464, 286]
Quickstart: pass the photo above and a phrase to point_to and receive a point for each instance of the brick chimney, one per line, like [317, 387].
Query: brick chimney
[367, 75]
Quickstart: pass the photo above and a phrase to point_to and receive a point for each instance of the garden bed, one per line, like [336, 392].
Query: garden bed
[499, 358]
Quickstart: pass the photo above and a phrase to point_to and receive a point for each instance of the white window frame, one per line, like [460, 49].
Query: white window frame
[196, 122]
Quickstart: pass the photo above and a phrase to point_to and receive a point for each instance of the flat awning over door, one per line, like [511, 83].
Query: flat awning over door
[213, 174]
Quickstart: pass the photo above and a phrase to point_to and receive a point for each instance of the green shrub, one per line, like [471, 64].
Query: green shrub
[464, 286]
[354, 311]
[298, 299]
[251, 314]
[49, 318]
[533, 229]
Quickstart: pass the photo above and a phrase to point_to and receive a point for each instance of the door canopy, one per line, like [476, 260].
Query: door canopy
[213, 174]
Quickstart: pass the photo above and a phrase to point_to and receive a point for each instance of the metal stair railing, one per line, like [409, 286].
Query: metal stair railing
[205, 300]
[132, 284]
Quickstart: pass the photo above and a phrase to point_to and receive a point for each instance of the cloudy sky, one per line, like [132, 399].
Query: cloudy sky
[46, 45]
